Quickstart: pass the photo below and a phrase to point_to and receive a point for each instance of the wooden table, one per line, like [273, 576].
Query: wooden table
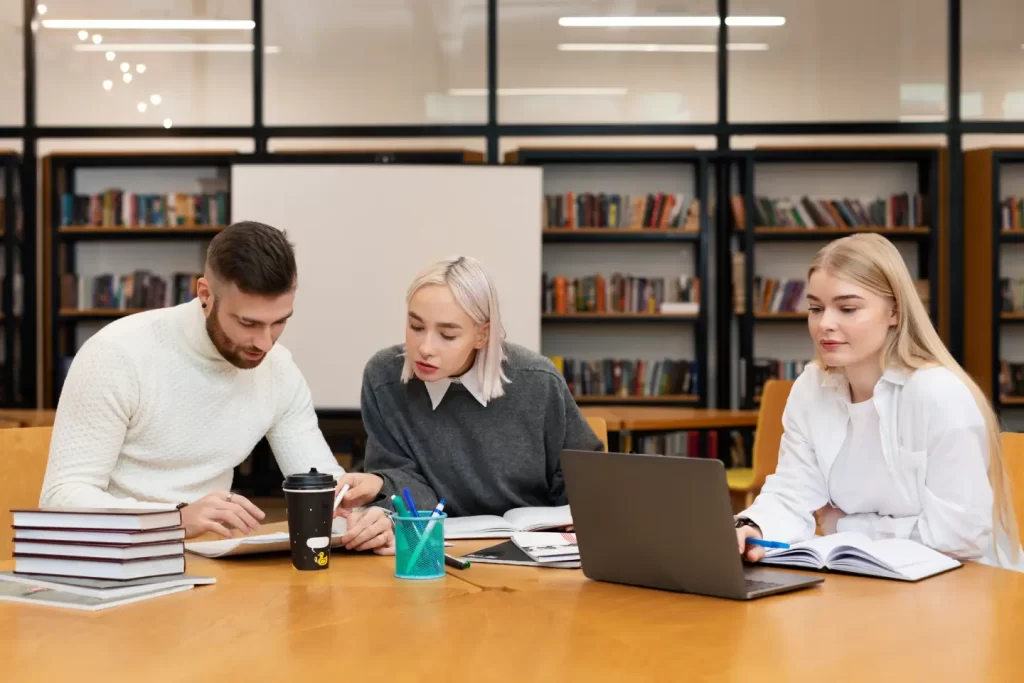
[265, 621]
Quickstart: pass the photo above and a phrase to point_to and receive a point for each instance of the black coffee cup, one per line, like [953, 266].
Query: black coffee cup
[310, 498]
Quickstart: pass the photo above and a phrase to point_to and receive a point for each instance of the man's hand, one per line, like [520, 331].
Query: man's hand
[827, 518]
[363, 490]
[220, 512]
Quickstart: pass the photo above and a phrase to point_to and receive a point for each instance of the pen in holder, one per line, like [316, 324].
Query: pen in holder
[419, 545]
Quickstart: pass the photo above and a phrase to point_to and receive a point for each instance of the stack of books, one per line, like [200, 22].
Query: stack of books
[96, 558]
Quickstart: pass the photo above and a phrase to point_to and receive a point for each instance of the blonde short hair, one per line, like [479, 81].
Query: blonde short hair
[477, 296]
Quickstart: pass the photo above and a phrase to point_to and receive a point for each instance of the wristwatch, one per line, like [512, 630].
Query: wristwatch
[743, 521]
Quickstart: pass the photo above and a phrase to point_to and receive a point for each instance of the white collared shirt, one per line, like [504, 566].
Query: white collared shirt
[935, 450]
[471, 380]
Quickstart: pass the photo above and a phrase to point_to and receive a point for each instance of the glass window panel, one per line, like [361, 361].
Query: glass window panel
[837, 60]
[148, 71]
[375, 62]
[992, 70]
[12, 72]
[604, 62]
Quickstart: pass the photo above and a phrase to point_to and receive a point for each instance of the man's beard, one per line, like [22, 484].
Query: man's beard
[232, 352]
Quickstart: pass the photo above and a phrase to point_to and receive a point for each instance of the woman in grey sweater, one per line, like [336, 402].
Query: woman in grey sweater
[459, 413]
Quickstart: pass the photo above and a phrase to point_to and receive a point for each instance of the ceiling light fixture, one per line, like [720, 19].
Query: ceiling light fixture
[668, 21]
[478, 92]
[178, 47]
[141, 68]
[41, 9]
[127, 78]
[108, 84]
[97, 38]
[111, 55]
[657, 47]
[155, 99]
[83, 35]
[125, 66]
[167, 123]
[153, 24]
[141, 106]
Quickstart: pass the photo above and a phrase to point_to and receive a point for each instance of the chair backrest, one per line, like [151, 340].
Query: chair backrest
[599, 427]
[1013, 454]
[23, 455]
[768, 437]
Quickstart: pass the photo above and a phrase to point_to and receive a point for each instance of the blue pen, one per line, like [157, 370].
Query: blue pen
[413, 510]
[767, 544]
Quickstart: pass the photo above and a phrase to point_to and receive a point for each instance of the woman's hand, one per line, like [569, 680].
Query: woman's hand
[368, 529]
[363, 490]
[827, 518]
[752, 553]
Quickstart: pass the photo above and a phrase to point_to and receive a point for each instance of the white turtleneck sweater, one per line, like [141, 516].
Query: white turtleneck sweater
[151, 413]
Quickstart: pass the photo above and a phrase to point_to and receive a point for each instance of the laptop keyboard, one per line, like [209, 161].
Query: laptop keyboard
[754, 585]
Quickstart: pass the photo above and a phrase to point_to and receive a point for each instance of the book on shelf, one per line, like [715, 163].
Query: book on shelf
[772, 295]
[854, 553]
[139, 289]
[686, 444]
[650, 211]
[628, 377]
[620, 293]
[1011, 212]
[765, 369]
[1011, 295]
[1011, 379]
[894, 211]
[115, 207]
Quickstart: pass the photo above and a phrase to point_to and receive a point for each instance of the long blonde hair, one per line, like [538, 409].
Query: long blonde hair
[473, 290]
[873, 262]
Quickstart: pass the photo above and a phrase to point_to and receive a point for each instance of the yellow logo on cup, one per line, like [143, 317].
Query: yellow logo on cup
[321, 559]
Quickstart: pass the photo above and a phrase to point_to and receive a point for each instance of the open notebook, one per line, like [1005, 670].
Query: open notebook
[891, 558]
[513, 521]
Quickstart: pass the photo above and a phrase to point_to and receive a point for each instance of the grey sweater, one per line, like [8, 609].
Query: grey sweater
[482, 460]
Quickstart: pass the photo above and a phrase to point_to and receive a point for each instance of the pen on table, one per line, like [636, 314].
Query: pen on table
[437, 511]
[341, 494]
[767, 544]
[413, 511]
[455, 562]
[425, 537]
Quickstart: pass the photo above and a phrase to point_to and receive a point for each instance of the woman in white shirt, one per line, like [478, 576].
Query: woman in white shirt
[884, 433]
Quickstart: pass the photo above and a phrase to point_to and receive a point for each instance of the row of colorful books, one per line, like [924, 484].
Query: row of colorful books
[629, 377]
[652, 210]
[619, 293]
[140, 289]
[117, 207]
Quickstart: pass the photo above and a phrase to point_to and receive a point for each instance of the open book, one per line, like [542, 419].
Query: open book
[519, 519]
[257, 545]
[891, 558]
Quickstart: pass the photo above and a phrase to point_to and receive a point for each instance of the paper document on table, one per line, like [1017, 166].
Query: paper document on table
[254, 545]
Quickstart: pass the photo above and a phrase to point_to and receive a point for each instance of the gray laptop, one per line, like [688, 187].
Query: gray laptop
[663, 522]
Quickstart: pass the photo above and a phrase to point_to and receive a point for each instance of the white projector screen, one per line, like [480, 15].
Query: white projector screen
[363, 232]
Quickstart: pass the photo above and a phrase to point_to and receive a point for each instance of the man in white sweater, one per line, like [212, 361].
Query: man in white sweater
[159, 407]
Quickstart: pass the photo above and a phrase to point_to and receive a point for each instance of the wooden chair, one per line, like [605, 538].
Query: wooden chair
[600, 427]
[1013, 454]
[746, 482]
[23, 455]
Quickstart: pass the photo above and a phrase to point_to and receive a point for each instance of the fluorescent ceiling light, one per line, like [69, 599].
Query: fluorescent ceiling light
[173, 47]
[153, 24]
[663, 21]
[479, 92]
[655, 47]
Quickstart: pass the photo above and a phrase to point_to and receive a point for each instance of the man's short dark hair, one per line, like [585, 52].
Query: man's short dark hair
[256, 257]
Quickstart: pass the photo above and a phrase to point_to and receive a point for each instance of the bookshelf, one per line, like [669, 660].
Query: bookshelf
[994, 317]
[615, 253]
[816, 195]
[17, 313]
[123, 233]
